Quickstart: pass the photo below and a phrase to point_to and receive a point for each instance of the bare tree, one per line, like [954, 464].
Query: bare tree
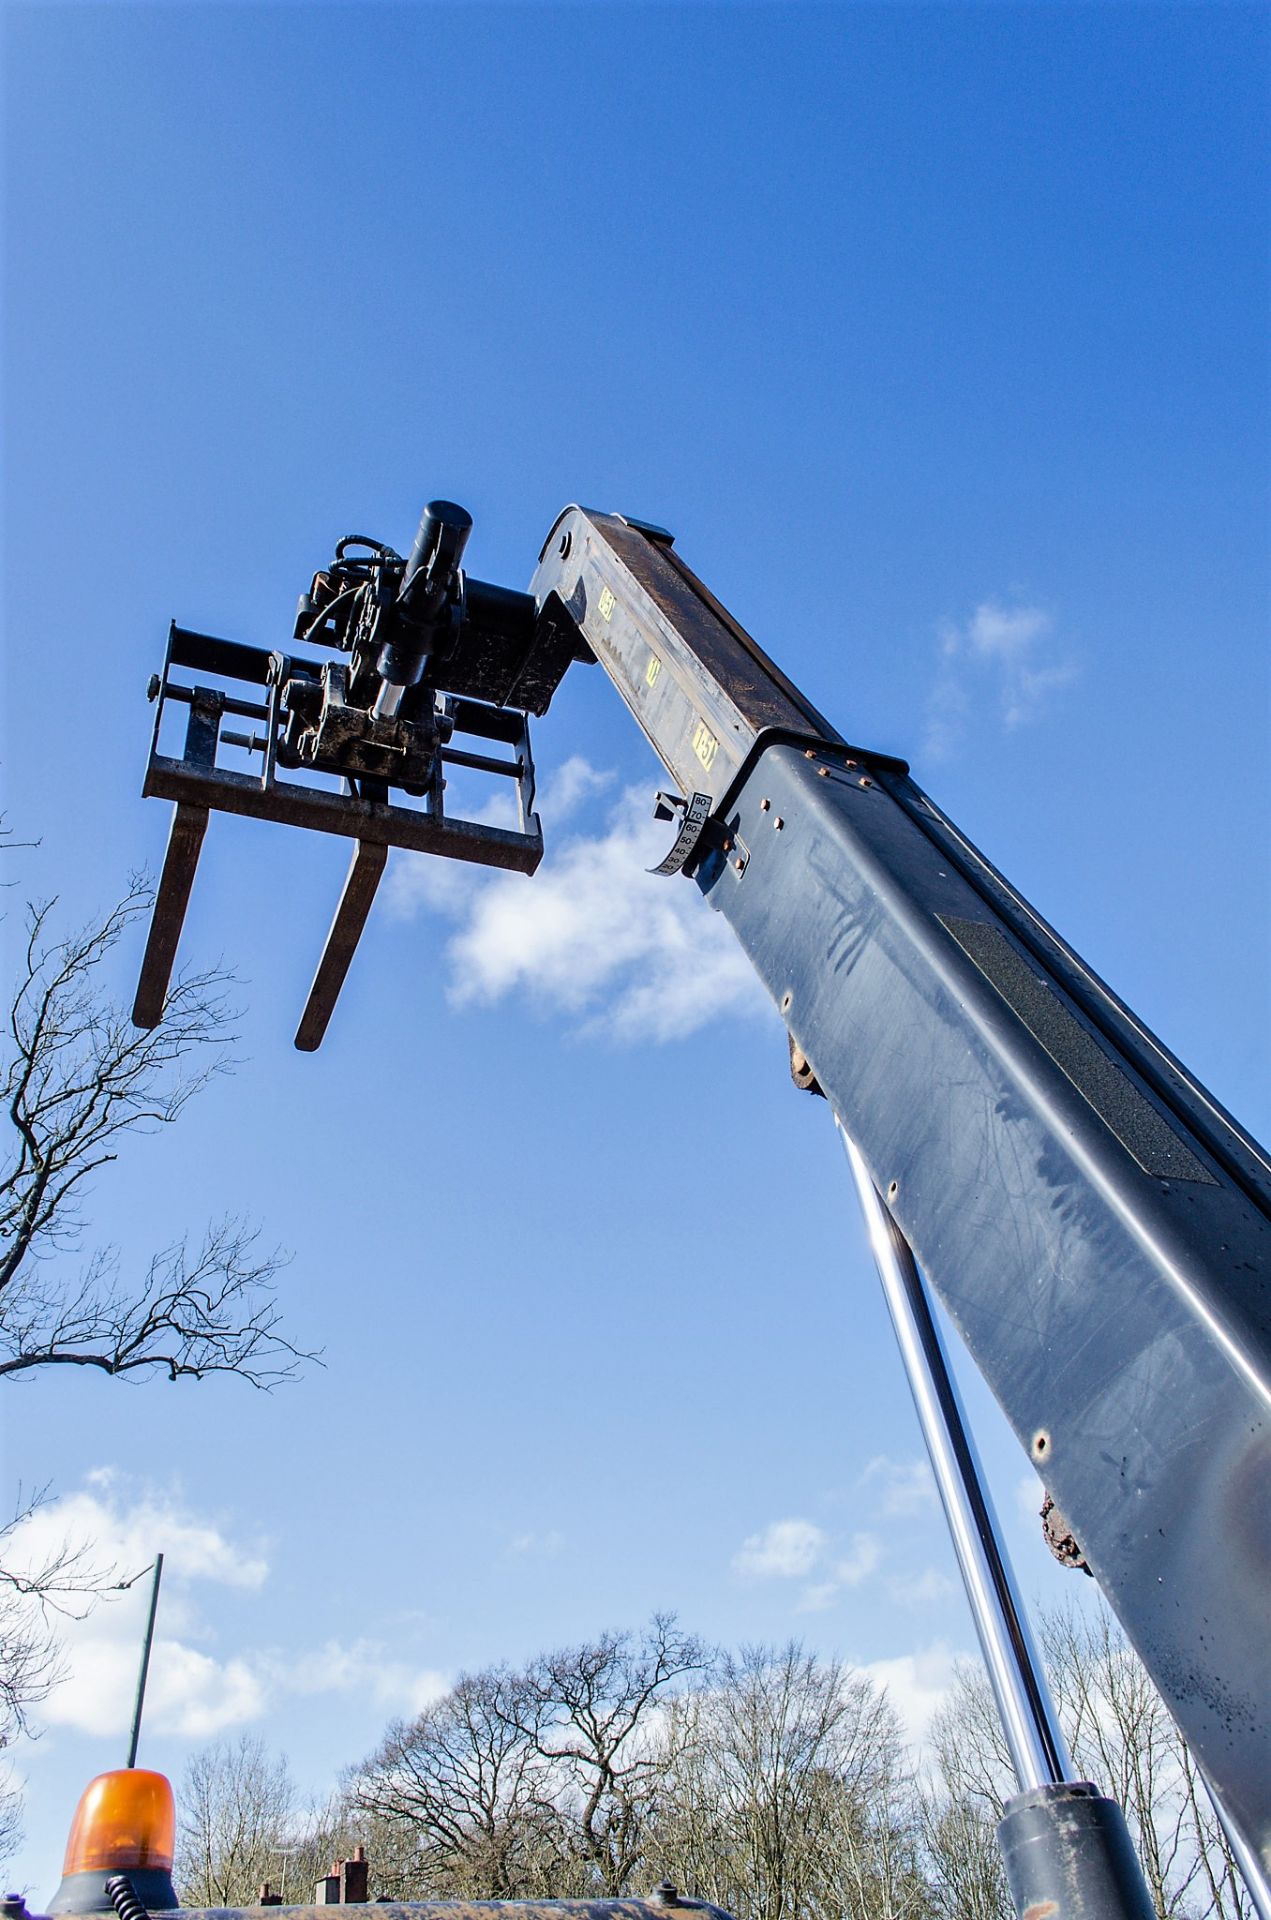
[76, 1077]
[872, 1865]
[238, 1813]
[963, 1862]
[768, 1783]
[785, 1777]
[589, 1712]
[468, 1797]
[962, 1803]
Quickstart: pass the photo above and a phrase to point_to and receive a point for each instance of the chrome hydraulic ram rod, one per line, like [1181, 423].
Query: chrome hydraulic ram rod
[1065, 1847]
[1029, 1721]
[1247, 1862]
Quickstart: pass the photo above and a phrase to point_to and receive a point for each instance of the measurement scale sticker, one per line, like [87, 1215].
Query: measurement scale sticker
[652, 671]
[705, 745]
[606, 603]
[696, 814]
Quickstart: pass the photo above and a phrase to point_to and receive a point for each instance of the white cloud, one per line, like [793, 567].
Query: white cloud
[126, 1537]
[786, 1550]
[864, 1554]
[1001, 658]
[420, 880]
[1008, 634]
[904, 1486]
[194, 1690]
[917, 1684]
[536, 1546]
[862, 1559]
[363, 1669]
[926, 1589]
[792, 1549]
[1029, 1493]
[568, 787]
[816, 1598]
[592, 934]
[189, 1691]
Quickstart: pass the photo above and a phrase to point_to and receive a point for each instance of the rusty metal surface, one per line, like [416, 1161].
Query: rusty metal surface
[180, 863]
[1061, 1540]
[361, 881]
[653, 1909]
[351, 818]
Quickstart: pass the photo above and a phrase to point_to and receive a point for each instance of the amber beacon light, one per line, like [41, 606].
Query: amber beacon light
[125, 1823]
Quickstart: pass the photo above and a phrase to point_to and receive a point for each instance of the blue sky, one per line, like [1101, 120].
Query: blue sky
[937, 334]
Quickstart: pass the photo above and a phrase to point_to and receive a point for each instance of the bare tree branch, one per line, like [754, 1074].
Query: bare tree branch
[76, 1078]
[587, 1711]
[473, 1799]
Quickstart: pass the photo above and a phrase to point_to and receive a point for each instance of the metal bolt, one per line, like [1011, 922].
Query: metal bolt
[809, 753]
[850, 764]
[824, 772]
[777, 824]
[764, 805]
[566, 542]
[865, 781]
[740, 864]
[893, 1189]
[786, 998]
[152, 689]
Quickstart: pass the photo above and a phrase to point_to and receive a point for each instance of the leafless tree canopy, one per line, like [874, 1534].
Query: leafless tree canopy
[76, 1078]
[763, 1781]
[237, 1808]
[767, 1781]
[466, 1784]
[537, 1782]
[787, 1792]
[588, 1713]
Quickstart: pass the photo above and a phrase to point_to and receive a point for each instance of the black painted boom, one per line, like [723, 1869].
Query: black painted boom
[1096, 1226]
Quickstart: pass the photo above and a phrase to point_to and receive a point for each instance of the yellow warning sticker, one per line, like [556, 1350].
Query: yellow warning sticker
[653, 669]
[606, 603]
[705, 745]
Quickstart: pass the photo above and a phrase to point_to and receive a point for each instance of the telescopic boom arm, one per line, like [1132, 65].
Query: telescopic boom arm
[1096, 1226]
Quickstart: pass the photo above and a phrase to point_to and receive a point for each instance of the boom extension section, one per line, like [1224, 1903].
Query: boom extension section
[1097, 1228]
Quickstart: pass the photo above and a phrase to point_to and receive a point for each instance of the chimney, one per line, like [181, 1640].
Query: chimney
[354, 1874]
[266, 1897]
[346, 1884]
